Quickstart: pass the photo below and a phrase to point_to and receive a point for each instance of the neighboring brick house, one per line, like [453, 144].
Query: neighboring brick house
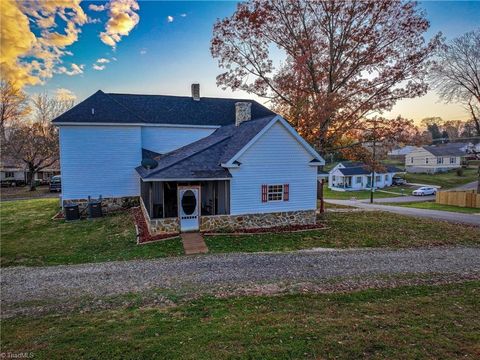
[15, 172]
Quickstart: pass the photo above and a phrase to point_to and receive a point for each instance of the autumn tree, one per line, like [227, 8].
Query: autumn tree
[456, 74]
[13, 105]
[343, 60]
[35, 140]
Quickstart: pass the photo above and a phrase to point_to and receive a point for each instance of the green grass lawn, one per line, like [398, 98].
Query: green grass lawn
[31, 238]
[359, 229]
[431, 205]
[421, 322]
[392, 191]
[446, 180]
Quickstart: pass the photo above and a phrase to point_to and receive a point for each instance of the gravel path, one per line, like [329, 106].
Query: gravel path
[59, 283]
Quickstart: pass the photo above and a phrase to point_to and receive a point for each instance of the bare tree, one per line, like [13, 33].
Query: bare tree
[13, 105]
[35, 141]
[456, 76]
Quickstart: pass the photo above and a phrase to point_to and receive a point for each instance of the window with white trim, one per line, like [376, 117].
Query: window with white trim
[275, 193]
[426, 160]
[439, 160]
[359, 180]
[453, 160]
[9, 174]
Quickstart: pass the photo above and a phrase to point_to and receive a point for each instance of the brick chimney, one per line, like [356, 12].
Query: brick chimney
[196, 92]
[243, 112]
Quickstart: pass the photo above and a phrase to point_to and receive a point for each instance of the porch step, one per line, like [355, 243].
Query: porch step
[193, 243]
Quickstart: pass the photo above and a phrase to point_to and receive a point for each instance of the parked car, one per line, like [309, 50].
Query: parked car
[56, 183]
[398, 181]
[425, 190]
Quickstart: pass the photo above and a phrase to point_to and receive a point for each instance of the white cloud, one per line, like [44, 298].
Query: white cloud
[122, 19]
[103, 61]
[65, 94]
[183, 15]
[170, 18]
[143, 51]
[94, 20]
[94, 7]
[30, 58]
[114, 58]
[74, 70]
[98, 67]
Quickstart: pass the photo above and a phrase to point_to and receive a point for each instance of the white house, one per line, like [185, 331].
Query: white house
[193, 163]
[14, 172]
[352, 176]
[435, 158]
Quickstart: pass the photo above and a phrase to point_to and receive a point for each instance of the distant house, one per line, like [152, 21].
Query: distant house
[403, 151]
[352, 176]
[15, 172]
[435, 158]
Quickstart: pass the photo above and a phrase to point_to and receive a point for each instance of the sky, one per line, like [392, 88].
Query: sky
[158, 47]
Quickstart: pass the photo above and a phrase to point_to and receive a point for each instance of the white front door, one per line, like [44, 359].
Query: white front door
[188, 208]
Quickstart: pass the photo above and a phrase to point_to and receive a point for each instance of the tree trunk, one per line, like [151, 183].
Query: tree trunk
[32, 172]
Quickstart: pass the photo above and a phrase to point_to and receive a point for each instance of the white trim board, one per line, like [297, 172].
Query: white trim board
[290, 129]
[137, 124]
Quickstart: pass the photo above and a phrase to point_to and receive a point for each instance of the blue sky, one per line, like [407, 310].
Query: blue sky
[162, 57]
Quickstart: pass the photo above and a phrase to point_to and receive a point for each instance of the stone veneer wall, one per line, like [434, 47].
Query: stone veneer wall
[252, 221]
[160, 226]
[108, 204]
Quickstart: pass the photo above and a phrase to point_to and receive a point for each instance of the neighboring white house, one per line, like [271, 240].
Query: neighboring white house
[193, 162]
[14, 172]
[352, 176]
[435, 158]
[403, 151]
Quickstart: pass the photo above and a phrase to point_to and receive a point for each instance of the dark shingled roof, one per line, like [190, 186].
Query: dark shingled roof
[202, 159]
[157, 109]
[452, 149]
[358, 168]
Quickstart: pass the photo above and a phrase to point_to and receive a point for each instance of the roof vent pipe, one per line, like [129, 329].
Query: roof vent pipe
[196, 92]
[93, 111]
[243, 112]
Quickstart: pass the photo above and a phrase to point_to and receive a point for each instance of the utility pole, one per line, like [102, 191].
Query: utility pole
[372, 183]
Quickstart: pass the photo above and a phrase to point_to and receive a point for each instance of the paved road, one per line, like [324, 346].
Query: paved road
[401, 199]
[60, 283]
[469, 186]
[455, 217]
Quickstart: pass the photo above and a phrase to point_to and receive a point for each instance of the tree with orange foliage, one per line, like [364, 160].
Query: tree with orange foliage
[344, 60]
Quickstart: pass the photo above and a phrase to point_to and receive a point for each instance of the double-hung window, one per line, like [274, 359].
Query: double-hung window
[9, 174]
[277, 192]
[453, 160]
[439, 160]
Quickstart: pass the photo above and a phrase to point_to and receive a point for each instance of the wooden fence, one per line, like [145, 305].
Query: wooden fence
[466, 198]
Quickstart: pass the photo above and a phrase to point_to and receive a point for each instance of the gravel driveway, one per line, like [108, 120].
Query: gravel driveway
[59, 283]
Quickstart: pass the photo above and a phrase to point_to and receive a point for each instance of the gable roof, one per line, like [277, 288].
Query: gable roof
[206, 158]
[203, 158]
[451, 149]
[359, 168]
[156, 109]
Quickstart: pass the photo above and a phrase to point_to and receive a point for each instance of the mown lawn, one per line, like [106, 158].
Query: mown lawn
[30, 237]
[422, 322]
[359, 229]
[446, 180]
[431, 205]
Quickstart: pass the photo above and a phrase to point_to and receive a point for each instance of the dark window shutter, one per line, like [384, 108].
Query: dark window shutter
[264, 193]
[286, 192]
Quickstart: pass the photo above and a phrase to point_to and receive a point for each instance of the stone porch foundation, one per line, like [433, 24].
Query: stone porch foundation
[229, 223]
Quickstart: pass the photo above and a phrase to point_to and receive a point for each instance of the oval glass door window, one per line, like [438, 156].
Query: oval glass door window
[189, 202]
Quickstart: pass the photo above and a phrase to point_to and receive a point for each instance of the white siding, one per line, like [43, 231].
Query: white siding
[99, 160]
[165, 139]
[276, 158]
[17, 175]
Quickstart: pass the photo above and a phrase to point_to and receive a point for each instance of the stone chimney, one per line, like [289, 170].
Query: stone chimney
[196, 92]
[243, 112]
